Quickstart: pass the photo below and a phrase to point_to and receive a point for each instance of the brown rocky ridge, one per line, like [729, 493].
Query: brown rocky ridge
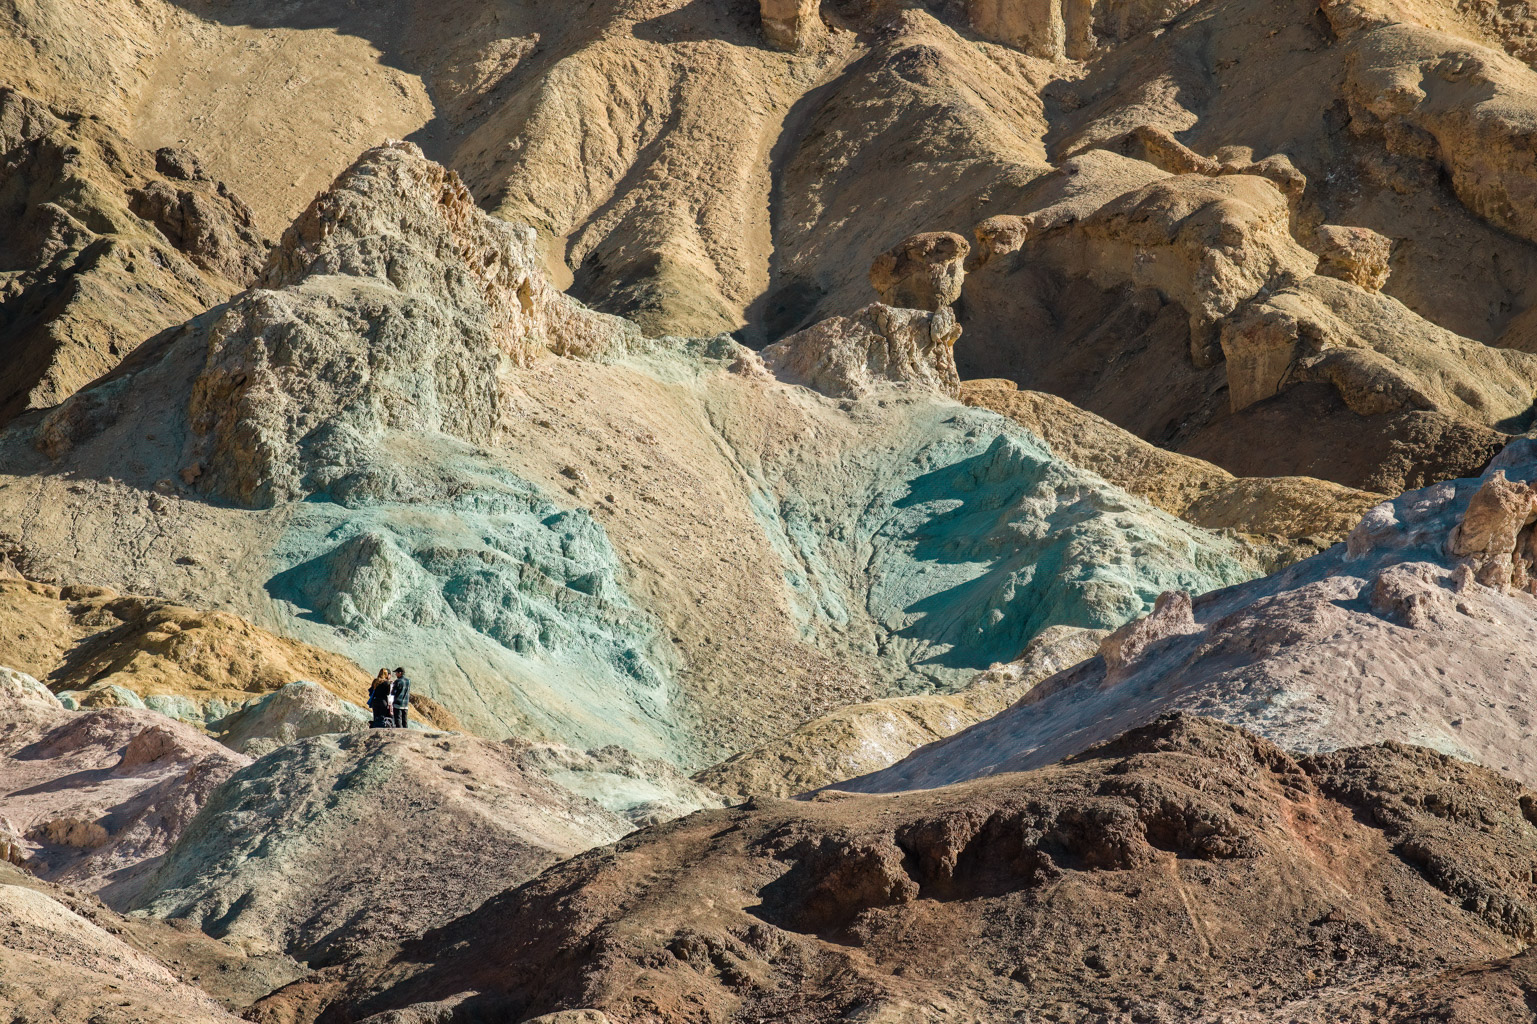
[1121, 884]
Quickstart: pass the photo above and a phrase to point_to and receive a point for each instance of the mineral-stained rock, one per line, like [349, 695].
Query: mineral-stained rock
[1410, 631]
[643, 791]
[848, 356]
[1305, 513]
[102, 249]
[862, 738]
[922, 272]
[790, 24]
[537, 576]
[100, 795]
[395, 257]
[1131, 872]
[211, 669]
[1357, 255]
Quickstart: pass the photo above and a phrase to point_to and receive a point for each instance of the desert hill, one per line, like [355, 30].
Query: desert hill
[895, 510]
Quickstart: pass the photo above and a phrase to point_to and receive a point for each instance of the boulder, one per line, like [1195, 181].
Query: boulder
[790, 24]
[849, 356]
[1494, 534]
[1357, 255]
[922, 272]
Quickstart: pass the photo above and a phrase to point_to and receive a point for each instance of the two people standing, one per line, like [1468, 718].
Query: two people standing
[389, 697]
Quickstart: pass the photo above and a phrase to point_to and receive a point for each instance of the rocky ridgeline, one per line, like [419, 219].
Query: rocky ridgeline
[387, 405]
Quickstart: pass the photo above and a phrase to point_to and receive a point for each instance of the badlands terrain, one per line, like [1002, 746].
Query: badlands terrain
[894, 511]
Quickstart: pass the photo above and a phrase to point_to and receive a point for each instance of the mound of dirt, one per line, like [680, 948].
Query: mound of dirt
[1123, 884]
[332, 845]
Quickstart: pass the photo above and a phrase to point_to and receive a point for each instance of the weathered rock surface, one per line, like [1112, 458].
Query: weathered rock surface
[790, 24]
[1357, 255]
[331, 845]
[922, 272]
[1418, 629]
[643, 791]
[1287, 518]
[1125, 882]
[105, 245]
[295, 383]
[556, 545]
[1216, 245]
[846, 356]
[95, 798]
[863, 738]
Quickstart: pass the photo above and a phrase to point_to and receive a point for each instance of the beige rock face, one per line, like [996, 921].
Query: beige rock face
[1357, 255]
[1035, 26]
[1210, 244]
[105, 245]
[922, 272]
[790, 24]
[999, 236]
[1303, 513]
[65, 963]
[1436, 98]
[862, 738]
[1069, 28]
[1495, 535]
[848, 356]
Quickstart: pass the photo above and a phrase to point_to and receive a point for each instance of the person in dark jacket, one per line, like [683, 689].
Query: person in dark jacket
[401, 694]
[379, 700]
